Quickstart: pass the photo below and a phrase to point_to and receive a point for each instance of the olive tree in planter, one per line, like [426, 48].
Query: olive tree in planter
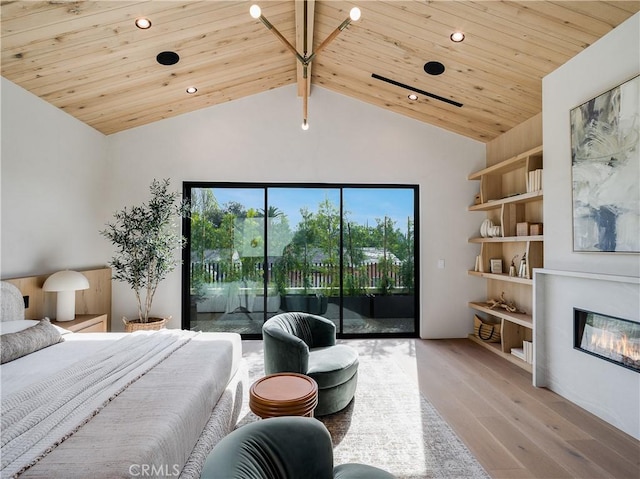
[146, 238]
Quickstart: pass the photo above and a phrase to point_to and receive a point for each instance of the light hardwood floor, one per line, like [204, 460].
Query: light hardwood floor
[514, 429]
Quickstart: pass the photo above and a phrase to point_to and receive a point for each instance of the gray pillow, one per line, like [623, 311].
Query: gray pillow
[27, 341]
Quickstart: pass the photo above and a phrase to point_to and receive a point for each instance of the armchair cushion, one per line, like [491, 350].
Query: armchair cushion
[333, 365]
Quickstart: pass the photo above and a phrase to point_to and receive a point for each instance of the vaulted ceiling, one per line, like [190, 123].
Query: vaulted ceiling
[89, 59]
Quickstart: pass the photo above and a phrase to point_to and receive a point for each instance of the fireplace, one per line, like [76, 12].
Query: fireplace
[612, 339]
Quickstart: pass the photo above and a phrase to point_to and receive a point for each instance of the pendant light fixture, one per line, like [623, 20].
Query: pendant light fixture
[304, 59]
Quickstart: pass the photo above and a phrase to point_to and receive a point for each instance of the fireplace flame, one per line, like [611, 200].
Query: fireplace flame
[615, 344]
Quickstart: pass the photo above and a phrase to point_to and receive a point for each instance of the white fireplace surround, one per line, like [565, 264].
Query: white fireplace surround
[607, 390]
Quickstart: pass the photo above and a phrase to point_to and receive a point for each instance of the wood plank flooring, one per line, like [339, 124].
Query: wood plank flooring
[515, 430]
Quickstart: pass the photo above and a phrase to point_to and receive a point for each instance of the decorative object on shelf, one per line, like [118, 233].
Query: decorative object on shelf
[535, 229]
[146, 238]
[304, 59]
[484, 227]
[495, 231]
[509, 306]
[496, 265]
[522, 229]
[522, 269]
[66, 283]
[488, 332]
[476, 199]
[534, 180]
[512, 267]
[477, 267]
[605, 166]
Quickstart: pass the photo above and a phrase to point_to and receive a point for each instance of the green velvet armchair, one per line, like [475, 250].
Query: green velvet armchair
[305, 343]
[288, 447]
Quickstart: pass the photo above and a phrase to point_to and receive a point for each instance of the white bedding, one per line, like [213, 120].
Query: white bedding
[197, 376]
[44, 363]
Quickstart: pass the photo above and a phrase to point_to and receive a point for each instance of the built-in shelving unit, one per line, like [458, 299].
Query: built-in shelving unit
[511, 196]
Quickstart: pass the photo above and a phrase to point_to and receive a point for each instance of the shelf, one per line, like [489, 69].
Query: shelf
[505, 199]
[495, 348]
[521, 319]
[516, 199]
[508, 165]
[507, 239]
[502, 277]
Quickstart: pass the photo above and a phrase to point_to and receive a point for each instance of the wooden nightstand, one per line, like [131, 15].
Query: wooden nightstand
[85, 323]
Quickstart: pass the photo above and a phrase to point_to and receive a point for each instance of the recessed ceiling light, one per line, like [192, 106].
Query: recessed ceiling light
[412, 97]
[457, 37]
[143, 23]
[191, 90]
[434, 68]
[167, 58]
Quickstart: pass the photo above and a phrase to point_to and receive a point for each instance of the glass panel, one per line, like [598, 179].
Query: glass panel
[227, 252]
[379, 260]
[304, 249]
[369, 290]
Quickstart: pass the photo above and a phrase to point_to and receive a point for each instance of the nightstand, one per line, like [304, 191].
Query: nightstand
[85, 323]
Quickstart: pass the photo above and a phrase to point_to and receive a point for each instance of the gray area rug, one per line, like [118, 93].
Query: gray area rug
[389, 425]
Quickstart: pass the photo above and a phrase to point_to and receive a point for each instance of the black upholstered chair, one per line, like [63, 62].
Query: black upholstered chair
[306, 344]
[288, 447]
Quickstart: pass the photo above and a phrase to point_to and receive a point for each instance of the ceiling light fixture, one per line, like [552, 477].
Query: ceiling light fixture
[305, 60]
[143, 23]
[417, 90]
[191, 90]
[457, 37]
[412, 96]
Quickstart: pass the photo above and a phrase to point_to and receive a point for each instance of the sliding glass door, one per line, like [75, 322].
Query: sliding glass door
[345, 252]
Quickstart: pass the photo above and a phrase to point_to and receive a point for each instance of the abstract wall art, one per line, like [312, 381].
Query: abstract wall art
[605, 159]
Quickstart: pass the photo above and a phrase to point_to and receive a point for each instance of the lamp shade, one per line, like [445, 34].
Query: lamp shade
[66, 283]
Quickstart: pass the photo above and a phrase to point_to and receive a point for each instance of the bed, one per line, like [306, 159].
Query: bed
[112, 405]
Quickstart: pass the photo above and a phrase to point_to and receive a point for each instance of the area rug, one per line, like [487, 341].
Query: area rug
[390, 425]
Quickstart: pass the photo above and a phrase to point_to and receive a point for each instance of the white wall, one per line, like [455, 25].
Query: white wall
[53, 185]
[259, 139]
[594, 384]
[255, 139]
[605, 64]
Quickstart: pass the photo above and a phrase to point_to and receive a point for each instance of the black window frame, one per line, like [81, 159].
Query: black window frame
[187, 186]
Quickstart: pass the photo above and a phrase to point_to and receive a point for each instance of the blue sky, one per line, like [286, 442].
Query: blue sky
[363, 205]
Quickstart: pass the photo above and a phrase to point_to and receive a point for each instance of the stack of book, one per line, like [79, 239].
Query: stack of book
[525, 352]
[534, 180]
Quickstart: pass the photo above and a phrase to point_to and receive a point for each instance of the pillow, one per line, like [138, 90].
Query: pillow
[18, 344]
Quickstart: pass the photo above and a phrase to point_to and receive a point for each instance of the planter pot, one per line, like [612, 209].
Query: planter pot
[393, 306]
[153, 324]
[311, 304]
[361, 305]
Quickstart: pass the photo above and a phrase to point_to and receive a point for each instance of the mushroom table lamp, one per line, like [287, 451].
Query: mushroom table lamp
[66, 283]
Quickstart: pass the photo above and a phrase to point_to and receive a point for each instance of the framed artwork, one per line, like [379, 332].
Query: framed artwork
[605, 167]
[496, 265]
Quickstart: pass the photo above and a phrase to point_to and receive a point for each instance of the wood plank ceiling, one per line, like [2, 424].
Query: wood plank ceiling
[90, 60]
